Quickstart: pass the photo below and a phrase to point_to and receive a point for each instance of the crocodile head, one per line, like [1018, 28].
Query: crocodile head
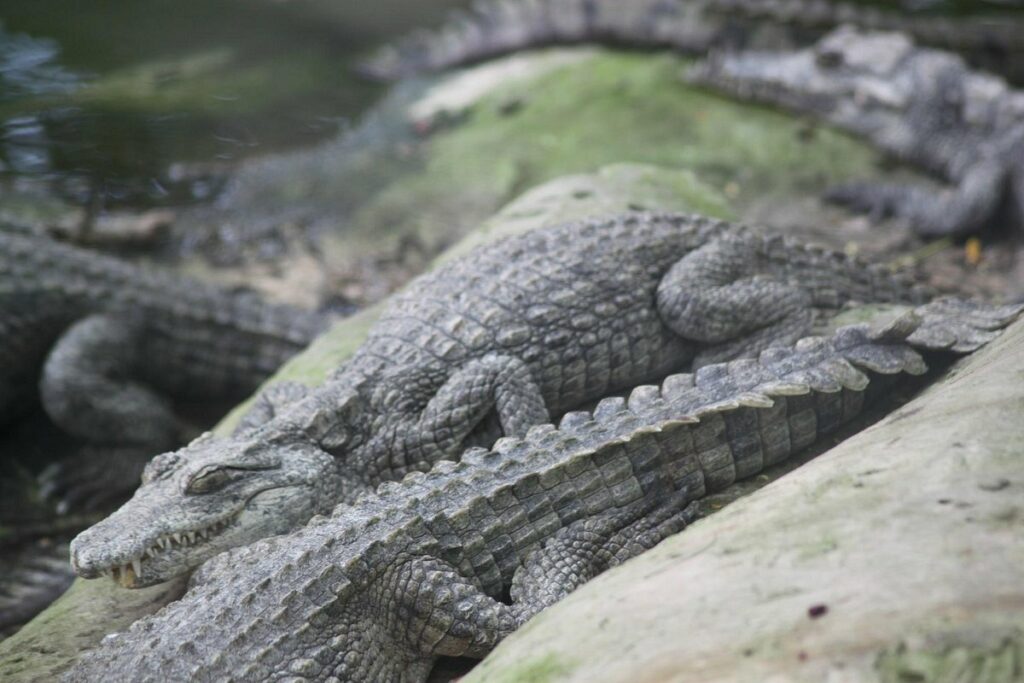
[212, 495]
[854, 79]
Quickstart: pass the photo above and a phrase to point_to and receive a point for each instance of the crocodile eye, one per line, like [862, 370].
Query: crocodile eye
[829, 59]
[208, 481]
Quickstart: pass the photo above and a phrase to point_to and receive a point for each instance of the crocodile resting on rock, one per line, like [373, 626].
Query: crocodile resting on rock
[522, 330]
[923, 106]
[378, 589]
[107, 345]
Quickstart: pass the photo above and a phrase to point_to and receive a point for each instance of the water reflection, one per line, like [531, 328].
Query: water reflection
[108, 127]
[28, 66]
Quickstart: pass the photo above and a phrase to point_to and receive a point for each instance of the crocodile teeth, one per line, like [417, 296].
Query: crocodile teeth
[126, 577]
[137, 566]
[184, 538]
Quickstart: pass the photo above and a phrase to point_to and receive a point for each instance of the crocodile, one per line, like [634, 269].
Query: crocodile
[924, 106]
[513, 334]
[108, 347]
[495, 27]
[418, 569]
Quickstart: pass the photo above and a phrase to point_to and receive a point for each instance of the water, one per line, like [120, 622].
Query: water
[149, 102]
[140, 103]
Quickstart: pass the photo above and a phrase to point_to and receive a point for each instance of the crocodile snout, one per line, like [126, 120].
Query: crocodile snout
[83, 562]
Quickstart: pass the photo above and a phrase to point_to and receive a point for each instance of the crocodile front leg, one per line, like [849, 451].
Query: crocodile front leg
[959, 210]
[88, 389]
[493, 384]
[719, 296]
[424, 607]
[411, 613]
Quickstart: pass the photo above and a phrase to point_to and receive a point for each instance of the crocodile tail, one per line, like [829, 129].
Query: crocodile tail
[887, 346]
[834, 278]
[496, 27]
[960, 325]
[750, 398]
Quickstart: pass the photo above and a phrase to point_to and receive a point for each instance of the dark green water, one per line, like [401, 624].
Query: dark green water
[149, 102]
[145, 102]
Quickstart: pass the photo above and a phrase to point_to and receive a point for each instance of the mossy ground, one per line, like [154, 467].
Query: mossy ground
[613, 107]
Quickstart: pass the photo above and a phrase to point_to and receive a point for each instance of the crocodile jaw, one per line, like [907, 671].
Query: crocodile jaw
[164, 531]
[163, 554]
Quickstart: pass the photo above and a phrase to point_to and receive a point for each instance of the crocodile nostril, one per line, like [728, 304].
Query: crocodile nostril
[79, 563]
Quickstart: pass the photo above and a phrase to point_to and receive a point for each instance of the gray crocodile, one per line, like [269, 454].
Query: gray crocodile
[378, 590]
[921, 105]
[496, 27]
[109, 347]
[507, 337]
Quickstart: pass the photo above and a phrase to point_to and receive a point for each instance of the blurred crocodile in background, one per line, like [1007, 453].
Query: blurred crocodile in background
[112, 350]
[492, 343]
[379, 589]
[32, 577]
[921, 105]
[495, 27]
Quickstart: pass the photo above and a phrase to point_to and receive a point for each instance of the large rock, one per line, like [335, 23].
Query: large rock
[896, 556]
